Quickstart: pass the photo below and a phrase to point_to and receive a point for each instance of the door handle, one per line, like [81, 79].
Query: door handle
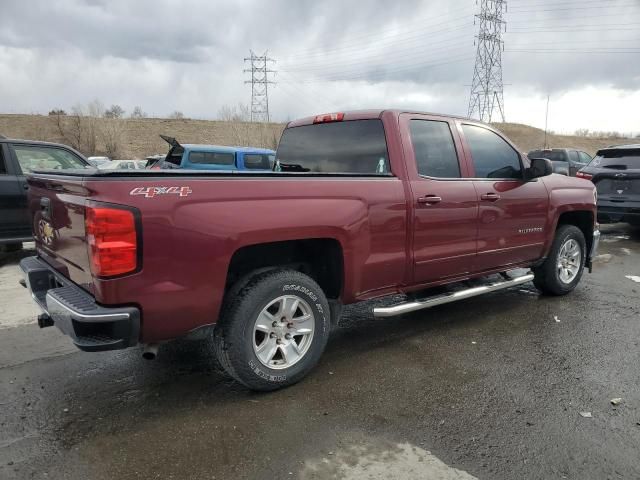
[429, 200]
[490, 197]
[25, 186]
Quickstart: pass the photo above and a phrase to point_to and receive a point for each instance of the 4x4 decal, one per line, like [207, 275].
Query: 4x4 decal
[150, 192]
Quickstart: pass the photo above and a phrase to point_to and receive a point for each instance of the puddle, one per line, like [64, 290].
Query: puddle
[400, 462]
[603, 258]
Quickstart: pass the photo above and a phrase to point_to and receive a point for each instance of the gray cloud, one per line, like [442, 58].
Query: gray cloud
[170, 54]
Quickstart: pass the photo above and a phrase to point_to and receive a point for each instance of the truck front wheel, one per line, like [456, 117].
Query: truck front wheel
[562, 269]
[273, 329]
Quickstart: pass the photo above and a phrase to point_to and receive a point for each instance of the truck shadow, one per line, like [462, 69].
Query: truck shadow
[13, 258]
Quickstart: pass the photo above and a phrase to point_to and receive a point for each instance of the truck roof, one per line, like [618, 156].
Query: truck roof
[374, 113]
[224, 148]
[632, 146]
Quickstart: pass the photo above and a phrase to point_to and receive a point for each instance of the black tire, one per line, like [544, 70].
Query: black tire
[12, 247]
[547, 276]
[234, 335]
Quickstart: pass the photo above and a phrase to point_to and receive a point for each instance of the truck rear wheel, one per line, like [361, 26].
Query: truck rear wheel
[562, 269]
[273, 329]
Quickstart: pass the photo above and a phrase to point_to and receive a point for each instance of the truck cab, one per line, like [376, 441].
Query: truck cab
[214, 157]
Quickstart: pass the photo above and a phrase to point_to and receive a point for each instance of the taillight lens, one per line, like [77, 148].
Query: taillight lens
[586, 176]
[112, 240]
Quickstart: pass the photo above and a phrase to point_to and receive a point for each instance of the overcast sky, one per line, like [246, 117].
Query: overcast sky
[332, 55]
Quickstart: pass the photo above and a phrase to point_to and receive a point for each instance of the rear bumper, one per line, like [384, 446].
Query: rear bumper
[92, 327]
[618, 211]
[595, 243]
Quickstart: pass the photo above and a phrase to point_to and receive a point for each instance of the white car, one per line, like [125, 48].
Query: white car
[123, 165]
[97, 161]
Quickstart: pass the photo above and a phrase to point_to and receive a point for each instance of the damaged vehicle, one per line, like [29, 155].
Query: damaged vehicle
[212, 157]
[367, 204]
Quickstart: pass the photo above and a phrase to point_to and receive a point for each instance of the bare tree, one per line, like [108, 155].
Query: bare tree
[112, 133]
[115, 111]
[177, 114]
[238, 113]
[582, 132]
[138, 113]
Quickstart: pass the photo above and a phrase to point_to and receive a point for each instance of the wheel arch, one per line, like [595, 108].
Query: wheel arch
[320, 258]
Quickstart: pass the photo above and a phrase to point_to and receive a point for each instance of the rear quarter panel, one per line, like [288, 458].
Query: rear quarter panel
[188, 242]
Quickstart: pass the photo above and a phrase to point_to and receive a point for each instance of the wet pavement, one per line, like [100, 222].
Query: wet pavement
[492, 387]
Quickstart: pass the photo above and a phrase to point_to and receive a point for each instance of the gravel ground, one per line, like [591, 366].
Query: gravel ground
[509, 385]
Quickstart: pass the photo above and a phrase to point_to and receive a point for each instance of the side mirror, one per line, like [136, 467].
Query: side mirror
[540, 167]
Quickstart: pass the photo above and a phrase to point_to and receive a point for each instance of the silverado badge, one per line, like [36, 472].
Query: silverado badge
[46, 232]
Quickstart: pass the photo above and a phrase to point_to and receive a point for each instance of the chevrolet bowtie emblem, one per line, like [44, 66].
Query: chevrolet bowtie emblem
[46, 232]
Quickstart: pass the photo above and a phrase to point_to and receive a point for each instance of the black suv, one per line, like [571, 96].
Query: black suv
[566, 161]
[18, 157]
[615, 171]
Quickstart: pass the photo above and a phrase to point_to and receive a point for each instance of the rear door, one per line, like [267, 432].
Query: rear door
[512, 212]
[445, 205]
[574, 162]
[14, 216]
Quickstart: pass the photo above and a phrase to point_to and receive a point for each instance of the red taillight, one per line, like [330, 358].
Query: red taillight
[329, 117]
[112, 240]
[586, 176]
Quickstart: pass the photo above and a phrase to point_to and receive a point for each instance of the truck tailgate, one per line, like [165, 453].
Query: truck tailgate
[57, 206]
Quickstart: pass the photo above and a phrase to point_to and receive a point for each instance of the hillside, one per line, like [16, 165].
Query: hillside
[138, 138]
[529, 138]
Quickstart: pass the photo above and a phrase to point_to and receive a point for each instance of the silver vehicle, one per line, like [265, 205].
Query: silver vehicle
[123, 165]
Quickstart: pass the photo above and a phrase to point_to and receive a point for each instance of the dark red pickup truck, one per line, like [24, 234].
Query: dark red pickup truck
[360, 205]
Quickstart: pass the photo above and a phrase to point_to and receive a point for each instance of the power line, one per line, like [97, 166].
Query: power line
[487, 90]
[378, 35]
[375, 44]
[259, 85]
[387, 72]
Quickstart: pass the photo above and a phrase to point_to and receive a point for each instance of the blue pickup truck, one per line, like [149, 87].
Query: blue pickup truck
[213, 157]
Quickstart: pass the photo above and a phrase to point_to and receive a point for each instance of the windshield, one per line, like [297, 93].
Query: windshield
[553, 155]
[357, 146]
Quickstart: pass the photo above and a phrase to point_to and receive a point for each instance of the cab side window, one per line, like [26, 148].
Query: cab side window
[434, 149]
[34, 157]
[492, 156]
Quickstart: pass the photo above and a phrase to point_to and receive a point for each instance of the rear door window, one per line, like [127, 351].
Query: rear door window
[351, 147]
[584, 157]
[258, 161]
[212, 158]
[434, 149]
[36, 157]
[573, 156]
[492, 156]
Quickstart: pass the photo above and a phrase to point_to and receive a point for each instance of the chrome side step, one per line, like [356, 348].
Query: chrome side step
[449, 297]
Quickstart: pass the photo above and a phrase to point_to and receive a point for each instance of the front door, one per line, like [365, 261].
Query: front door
[513, 213]
[445, 207]
[14, 219]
